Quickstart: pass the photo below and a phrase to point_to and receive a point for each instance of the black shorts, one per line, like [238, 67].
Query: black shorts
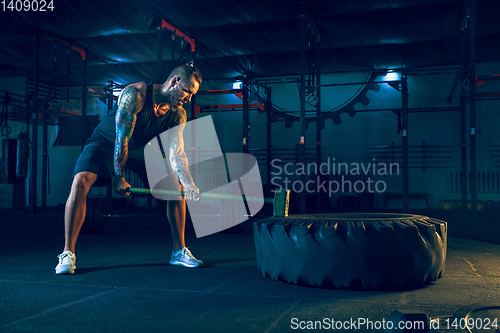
[97, 157]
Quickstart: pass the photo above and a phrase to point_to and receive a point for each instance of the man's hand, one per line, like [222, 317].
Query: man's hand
[191, 192]
[120, 186]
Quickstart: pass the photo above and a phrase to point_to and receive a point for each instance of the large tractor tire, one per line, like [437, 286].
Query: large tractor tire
[352, 249]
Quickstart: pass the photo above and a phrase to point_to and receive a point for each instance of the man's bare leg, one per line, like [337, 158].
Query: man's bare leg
[176, 214]
[76, 207]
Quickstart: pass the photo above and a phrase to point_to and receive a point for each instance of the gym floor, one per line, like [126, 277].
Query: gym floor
[124, 284]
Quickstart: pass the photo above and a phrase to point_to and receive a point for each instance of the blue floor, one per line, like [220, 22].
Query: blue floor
[124, 284]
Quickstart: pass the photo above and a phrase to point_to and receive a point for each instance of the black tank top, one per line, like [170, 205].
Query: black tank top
[147, 125]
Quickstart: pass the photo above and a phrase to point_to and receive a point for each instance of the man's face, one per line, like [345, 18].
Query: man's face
[182, 92]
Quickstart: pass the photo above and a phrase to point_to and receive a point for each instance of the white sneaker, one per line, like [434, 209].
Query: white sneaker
[184, 257]
[67, 263]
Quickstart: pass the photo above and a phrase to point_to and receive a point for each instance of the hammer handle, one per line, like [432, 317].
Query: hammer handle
[205, 195]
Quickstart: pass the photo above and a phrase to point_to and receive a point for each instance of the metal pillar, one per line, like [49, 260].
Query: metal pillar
[34, 135]
[464, 59]
[45, 155]
[159, 79]
[246, 118]
[193, 107]
[319, 124]
[302, 93]
[84, 100]
[268, 137]
[159, 49]
[109, 188]
[404, 126]
[472, 108]
[44, 159]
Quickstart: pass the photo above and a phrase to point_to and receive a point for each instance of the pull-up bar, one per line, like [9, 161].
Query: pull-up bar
[57, 39]
[230, 107]
[220, 92]
[165, 24]
[354, 83]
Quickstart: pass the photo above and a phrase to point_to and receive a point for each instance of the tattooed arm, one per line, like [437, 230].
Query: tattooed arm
[129, 103]
[177, 156]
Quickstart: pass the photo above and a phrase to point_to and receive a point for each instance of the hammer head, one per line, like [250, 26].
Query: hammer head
[281, 202]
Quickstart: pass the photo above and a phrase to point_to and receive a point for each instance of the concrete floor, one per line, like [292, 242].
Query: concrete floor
[124, 284]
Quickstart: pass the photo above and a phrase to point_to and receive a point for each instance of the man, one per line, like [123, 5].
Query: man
[141, 113]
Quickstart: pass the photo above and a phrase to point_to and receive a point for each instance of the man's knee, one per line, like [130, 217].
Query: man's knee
[83, 181]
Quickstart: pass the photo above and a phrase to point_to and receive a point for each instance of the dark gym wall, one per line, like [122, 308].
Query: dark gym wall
[347, 142]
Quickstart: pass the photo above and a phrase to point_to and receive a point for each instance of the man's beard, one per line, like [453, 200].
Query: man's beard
[173, 98]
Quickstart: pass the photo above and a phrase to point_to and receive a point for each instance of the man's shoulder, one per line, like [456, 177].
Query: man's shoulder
[140, 86]
[133, 96]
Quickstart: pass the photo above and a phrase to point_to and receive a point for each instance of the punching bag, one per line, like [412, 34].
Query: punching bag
[23, 151]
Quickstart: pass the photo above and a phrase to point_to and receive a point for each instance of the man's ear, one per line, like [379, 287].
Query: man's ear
[175, 81]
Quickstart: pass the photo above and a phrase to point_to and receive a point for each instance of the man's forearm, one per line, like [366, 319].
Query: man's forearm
[120, 157]
[180, 166]
[177, 156]
[125, 122]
